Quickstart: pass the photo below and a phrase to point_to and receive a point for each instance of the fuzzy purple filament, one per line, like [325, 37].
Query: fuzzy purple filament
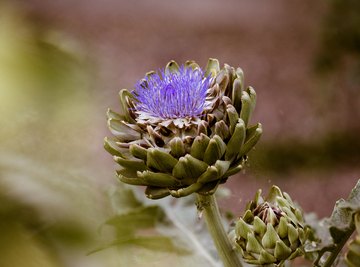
[172, 95]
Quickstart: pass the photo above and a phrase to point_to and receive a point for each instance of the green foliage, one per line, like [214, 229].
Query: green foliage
[32, 234]
[132, 219]
[142, 217]
[168, 228]
[334, 232]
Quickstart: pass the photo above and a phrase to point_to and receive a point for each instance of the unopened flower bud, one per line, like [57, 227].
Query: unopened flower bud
[272, 230]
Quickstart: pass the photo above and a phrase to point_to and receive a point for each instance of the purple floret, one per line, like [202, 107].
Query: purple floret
[173, 95]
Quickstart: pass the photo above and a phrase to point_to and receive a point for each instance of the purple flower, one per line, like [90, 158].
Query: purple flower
[172, 95]
[183, 130]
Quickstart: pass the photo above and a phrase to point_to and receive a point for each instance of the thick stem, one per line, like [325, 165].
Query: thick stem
[209, 207]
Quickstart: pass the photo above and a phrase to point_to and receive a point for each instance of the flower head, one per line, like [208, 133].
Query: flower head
[183, 130]
[173, 95]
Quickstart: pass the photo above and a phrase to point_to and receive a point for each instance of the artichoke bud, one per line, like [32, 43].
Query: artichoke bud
[183, 130]
[269, 232]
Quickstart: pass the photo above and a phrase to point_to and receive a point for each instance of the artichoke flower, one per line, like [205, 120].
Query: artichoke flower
[183, 130]
[271, 230]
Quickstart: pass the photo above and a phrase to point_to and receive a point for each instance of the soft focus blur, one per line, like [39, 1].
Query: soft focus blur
[62, 64]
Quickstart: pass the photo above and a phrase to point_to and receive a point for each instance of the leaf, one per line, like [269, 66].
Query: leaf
[157, 243]
[337, 229]
[340, 221]
[353, 202]
[172, 227]
[140, 218]
[354, 197]
[123, 199]
[184, 225]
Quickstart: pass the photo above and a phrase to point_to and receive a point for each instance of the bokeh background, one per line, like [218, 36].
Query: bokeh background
[62, 64]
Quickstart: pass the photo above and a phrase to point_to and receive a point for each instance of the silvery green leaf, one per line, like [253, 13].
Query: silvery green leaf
[335, 230]
[139, 218]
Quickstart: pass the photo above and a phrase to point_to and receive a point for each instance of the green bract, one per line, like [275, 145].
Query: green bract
[272, 229]
[180, 156]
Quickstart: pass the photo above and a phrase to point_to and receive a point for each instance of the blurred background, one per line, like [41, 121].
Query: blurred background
[62, 64]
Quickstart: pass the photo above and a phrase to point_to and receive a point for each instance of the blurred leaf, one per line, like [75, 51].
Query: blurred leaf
[172, 227]
[123, 199]
[132, 219]
[21, 249]
[158, 243]
[45, 86]
[45, 212]
[140, 218]
[67, 232]
[183, 224]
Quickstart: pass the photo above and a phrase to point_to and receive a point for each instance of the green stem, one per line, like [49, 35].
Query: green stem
[207, 204]
[330, 260]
